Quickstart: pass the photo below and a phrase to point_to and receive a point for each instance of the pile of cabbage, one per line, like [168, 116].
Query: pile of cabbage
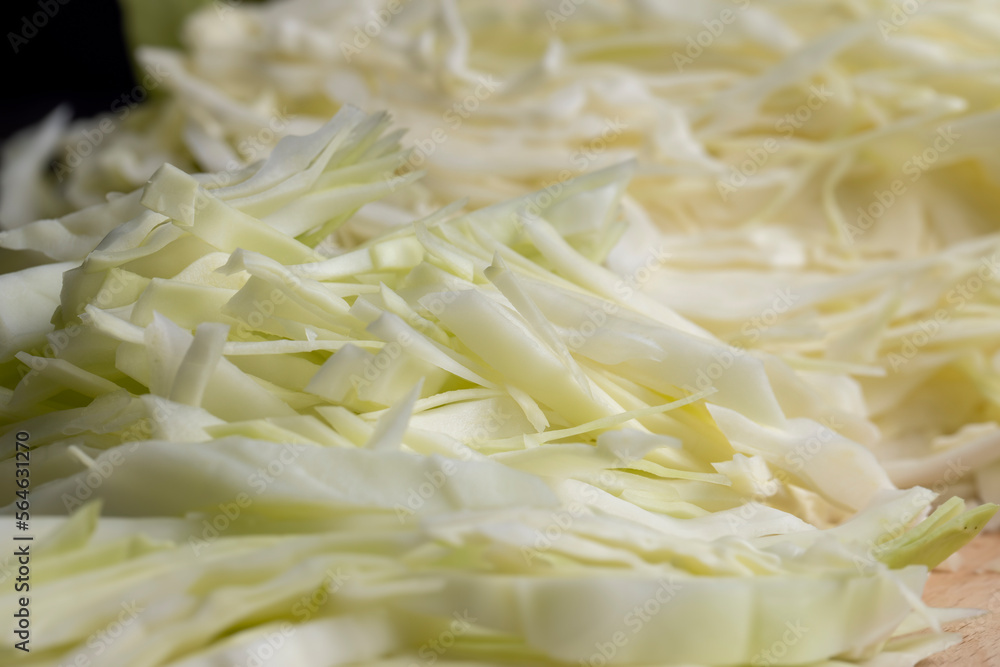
[396, 399]
[821, 174]
[462, 441]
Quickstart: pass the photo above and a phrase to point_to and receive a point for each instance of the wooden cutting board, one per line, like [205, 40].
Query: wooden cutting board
[972, 585]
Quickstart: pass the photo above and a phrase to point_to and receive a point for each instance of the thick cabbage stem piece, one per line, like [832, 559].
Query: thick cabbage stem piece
[459, 426]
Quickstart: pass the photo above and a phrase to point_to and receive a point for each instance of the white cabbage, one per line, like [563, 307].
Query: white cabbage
[458, 441]
[820, 177]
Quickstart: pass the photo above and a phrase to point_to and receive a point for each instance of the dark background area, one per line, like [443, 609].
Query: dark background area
[77, 57]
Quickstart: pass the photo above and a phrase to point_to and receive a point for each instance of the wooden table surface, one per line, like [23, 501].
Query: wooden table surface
[972, 585]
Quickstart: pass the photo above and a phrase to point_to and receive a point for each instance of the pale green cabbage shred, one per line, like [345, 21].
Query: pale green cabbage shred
[650, 415]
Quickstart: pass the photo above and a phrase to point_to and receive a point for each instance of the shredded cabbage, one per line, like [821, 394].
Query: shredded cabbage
[457, 441]
[819, 177]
